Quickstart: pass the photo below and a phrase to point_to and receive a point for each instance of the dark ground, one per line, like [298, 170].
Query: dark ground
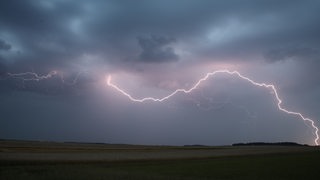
[48, 160]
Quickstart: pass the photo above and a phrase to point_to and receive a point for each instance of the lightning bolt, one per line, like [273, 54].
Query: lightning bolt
[31, 76]
[208, 75]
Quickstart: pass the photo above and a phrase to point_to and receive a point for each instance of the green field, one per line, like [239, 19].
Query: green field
[43, 160]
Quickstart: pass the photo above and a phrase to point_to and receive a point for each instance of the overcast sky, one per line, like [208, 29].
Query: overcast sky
[151, 48]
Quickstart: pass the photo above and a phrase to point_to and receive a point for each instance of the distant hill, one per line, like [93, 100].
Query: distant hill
[269, 144]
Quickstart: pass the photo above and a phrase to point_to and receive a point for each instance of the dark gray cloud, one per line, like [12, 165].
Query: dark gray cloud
[296, 53]
[2, 69]
[4, 45]
[156, 49]
[61, 31]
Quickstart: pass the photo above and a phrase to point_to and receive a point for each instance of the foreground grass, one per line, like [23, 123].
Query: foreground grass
[301, 165]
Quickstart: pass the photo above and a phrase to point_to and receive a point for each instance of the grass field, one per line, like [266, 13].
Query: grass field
[44, 160]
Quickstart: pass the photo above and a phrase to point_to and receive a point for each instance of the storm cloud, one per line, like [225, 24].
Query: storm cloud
[151, 48]
[156, 49]
[208, 29]
[4, 45]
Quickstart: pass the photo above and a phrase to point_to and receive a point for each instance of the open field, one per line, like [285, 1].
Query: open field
[48, 160]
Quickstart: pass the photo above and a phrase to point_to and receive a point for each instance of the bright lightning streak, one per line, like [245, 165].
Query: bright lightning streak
[235, 73]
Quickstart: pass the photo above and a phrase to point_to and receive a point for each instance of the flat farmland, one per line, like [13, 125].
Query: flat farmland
[51, 160]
